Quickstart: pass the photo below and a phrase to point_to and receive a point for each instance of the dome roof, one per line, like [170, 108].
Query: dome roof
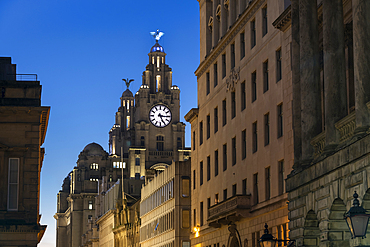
[157, 47]
[127, 93]
[94, 149]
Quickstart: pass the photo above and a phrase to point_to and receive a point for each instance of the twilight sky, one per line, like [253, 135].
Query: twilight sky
[80, 50]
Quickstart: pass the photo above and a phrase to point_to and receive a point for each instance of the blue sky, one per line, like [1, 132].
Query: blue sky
[80, 50]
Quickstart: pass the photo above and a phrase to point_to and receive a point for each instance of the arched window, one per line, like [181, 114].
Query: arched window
[94, 166]
[160, 143]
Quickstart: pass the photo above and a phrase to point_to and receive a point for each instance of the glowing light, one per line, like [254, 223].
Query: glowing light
[196, 230]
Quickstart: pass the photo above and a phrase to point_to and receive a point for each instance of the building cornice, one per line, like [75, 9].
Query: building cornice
[105, 216]
[192, 115]
[284, 20]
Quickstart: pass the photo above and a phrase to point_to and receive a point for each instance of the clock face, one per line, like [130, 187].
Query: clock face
[160, 116]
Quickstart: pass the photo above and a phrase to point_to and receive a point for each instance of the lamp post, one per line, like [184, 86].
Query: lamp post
[267, 240]
[357, 219]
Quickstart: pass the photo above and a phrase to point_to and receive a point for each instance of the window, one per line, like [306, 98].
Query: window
[254, 137]
[281, 177]
[244, 186]
[243, 97]
[265, 76]
[225, 194]
[179, 143]
[142, 141]
[193, 140]
[224, 149]
[110, 178]
[194, 181]
[185, 218]
[194, 217]
[233, 105]
[280, 120]
[255, 188]
[233, 150]
[160, 143]
[201, 133]
[216, 199]
[234, 190]
[216, 163]
[207, 83]
[224, 112]
[137, 175]
[278, 65]
[215, 75]
[267, 128]
[94, 166]
[253, 33]
[208, 126]
[185, 187]
[201, 214]
[254, 86]
[232, 51]
[267, 183]
[137, 161]
[242, 46]
[223, 65]
[208, 168]
[215, 119]
[201, 173]
[13, 184]
[90, 205]
[186, 244]
[264, 21]
[244, 144]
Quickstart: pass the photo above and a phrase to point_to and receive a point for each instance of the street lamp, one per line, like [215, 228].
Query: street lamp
[357, 219]
[267, 240]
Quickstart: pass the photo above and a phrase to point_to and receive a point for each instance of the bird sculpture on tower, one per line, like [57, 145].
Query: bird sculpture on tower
[127, 81]
[157, 35]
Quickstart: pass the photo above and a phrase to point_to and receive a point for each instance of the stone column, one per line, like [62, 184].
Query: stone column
[232, 12]
[309, 76]
[361, 48]
[296, 82]
[334, 70]
[224, 19]
[216, 24]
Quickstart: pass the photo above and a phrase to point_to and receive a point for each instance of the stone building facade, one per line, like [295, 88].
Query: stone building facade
[23, 123]
[165, 208]
[331, 94]
[242, 138]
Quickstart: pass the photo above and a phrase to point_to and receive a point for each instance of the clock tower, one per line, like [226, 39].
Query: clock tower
[147, 133]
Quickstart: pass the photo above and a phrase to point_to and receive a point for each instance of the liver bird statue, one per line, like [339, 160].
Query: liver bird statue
[127, 81]
[157, 35]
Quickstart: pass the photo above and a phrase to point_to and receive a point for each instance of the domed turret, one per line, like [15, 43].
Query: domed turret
[157, 48]
[94, 149]
[127, 93]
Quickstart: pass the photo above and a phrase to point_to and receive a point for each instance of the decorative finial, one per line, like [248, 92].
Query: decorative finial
[157, 35]
[127, 81]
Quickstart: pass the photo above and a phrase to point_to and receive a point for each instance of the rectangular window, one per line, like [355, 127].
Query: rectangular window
[253, 33]
[208, 168]
[243, 98]
[201, 133]
[223, 65]
[244, 186]
[208, 126]
[267, 128]
[201, 214]
[224, 117]
[234, 190]
[264, 21]
[216, 199]
[280, 120]
[194, 217]
[90, 205]
[201, 173]
[265, 76]
[215, 119]
[137, 161]
[225, 194]
[254, 137]
[233, 150]
[194, 181]
[215, 75]
[232, 51]
[244, 144]
[224, 149]
[242, 46]
[267, 183]
[207, 83]
[185, 187]
[255, 188]
[254, 86]
[216, 163]
[13, 184]
[281, 177]
[253, 239]
[185, 218]
[233, 105]
[278, 65]
[193, 140]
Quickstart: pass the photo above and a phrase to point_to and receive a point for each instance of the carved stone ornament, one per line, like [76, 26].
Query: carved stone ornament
[233, 79]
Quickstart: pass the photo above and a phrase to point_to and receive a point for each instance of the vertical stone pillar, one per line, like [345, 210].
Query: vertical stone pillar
[334, 70]
[224, 18]
[296, 82]
[232, 12]
[216, 24]
[309, 75]
[361, 48]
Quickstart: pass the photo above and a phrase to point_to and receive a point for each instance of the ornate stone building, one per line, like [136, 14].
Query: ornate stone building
[23, 123]
[331, 94]
[242, 140]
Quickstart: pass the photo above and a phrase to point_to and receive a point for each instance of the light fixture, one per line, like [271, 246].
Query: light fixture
[267, 240]
[357, 219]
[197, 230]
